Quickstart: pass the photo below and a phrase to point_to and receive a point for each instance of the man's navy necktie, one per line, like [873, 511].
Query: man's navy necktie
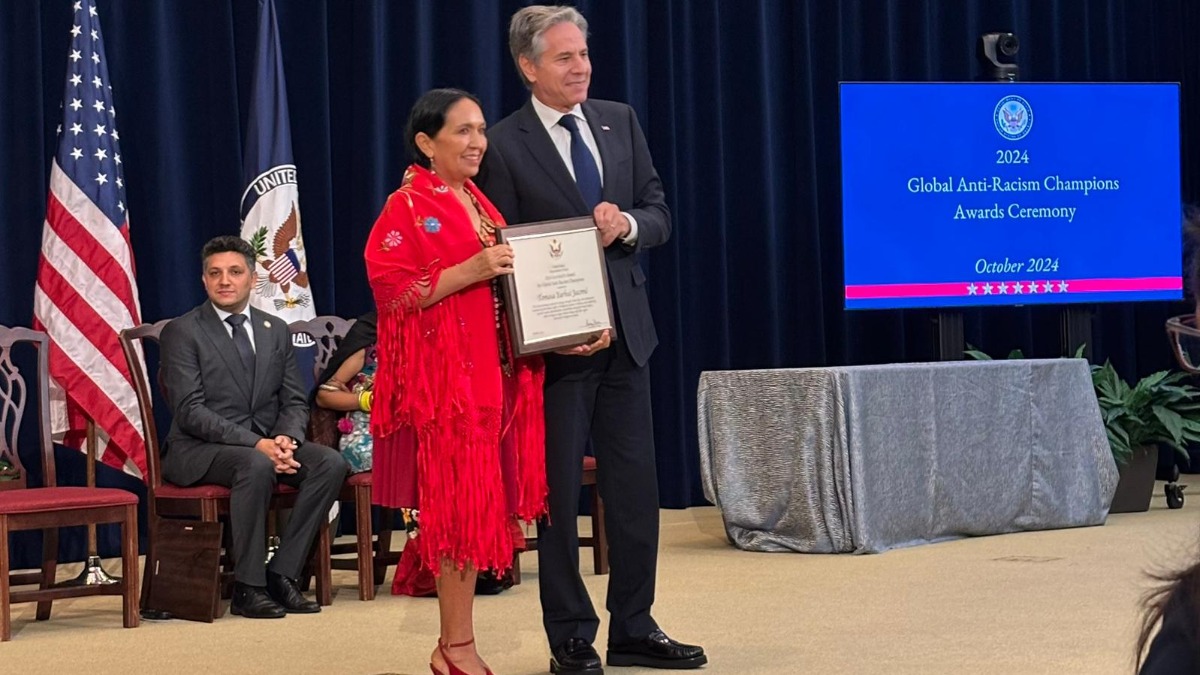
[587, 176]
[242, 342]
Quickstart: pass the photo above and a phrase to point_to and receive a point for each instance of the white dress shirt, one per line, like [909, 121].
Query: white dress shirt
[562, 142]
[222, 314]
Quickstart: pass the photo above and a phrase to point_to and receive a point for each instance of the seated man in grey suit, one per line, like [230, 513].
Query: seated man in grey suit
[239, 417]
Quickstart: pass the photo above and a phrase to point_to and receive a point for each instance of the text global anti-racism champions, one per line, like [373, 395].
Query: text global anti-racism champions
[996, 211]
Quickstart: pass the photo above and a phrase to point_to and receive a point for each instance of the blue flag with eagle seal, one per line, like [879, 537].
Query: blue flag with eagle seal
[270, 207]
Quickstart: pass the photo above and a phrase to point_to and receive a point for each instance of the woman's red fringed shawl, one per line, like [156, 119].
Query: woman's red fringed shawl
[439, 383]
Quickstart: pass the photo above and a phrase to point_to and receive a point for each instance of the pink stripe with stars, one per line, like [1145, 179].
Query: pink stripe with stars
[872, 291]
[1057, 286]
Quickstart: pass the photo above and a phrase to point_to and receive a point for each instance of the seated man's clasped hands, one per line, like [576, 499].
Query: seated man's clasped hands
[281, 450]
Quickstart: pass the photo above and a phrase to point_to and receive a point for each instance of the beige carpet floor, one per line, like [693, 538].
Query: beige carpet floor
[1062, 601]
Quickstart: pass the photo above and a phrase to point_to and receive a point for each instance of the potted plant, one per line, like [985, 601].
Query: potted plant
[1159, 410]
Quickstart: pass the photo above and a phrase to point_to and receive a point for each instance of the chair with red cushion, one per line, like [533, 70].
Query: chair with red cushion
[207, 502]
[372, 553]
[47, 508]
[599, 539]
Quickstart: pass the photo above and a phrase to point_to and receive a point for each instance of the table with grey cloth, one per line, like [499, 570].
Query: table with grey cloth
[861, 459]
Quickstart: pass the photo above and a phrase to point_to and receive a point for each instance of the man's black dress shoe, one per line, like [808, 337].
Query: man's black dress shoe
[656, 650]
[488, 583]
[253, 602]
[575, 657]
[285, 592]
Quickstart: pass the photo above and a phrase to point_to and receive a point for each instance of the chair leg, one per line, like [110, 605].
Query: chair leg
[49, 568]
[208, 514]
[324, 566]
[5, 617]
[599, 535]
[362, 528]
[516, 568]
[151, 562]
[383, 543]
[129, 567]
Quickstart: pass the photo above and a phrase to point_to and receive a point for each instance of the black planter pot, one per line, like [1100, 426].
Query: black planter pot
[1136, 485]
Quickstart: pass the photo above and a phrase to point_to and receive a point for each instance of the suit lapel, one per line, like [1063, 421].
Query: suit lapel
[543, 150]
[214, 328]
[604, 143]
[262, 350]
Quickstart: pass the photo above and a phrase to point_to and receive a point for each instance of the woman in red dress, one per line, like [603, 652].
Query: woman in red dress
[457, 421]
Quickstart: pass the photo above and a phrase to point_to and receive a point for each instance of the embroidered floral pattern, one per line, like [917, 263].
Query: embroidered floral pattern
[392, 240]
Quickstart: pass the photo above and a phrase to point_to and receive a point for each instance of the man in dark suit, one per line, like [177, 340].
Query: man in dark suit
[239, 417]
[563, 156]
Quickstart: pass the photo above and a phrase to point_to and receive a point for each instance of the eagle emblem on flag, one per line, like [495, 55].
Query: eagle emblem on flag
[284, 268]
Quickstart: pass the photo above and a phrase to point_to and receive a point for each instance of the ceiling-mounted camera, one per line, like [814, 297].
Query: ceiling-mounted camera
[997, 53]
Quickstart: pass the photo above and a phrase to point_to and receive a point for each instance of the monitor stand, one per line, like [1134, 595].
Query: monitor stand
[1076, 331]
[950, 336]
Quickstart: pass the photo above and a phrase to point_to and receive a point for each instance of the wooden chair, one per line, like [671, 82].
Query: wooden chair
[599, 539]
[50, 507]
[207, 502]
[372, 554]
[1184, 337]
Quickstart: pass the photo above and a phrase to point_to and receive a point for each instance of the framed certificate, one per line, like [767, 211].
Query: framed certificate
[557, 295]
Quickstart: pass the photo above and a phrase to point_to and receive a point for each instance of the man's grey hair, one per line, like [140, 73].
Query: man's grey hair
[529, 24]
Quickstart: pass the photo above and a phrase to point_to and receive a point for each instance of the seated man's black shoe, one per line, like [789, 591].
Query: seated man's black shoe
[656, 650]
[253, 602]
[285, 592]
[575, 657]
[489, 583]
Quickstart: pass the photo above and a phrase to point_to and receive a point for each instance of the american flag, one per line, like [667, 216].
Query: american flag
[86, 291]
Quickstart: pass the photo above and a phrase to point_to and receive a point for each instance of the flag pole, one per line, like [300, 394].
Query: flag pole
[93, 573]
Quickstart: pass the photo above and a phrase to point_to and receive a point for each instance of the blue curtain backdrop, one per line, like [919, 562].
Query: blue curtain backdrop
[738, 99]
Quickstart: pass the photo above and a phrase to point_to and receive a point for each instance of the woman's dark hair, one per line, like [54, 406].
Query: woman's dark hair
[1177, 592]
[428, 116]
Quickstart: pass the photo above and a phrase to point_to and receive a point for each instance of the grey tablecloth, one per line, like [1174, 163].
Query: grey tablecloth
[866, 458]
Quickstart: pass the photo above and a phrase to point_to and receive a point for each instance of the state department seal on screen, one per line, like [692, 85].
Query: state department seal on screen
[1013, 117]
